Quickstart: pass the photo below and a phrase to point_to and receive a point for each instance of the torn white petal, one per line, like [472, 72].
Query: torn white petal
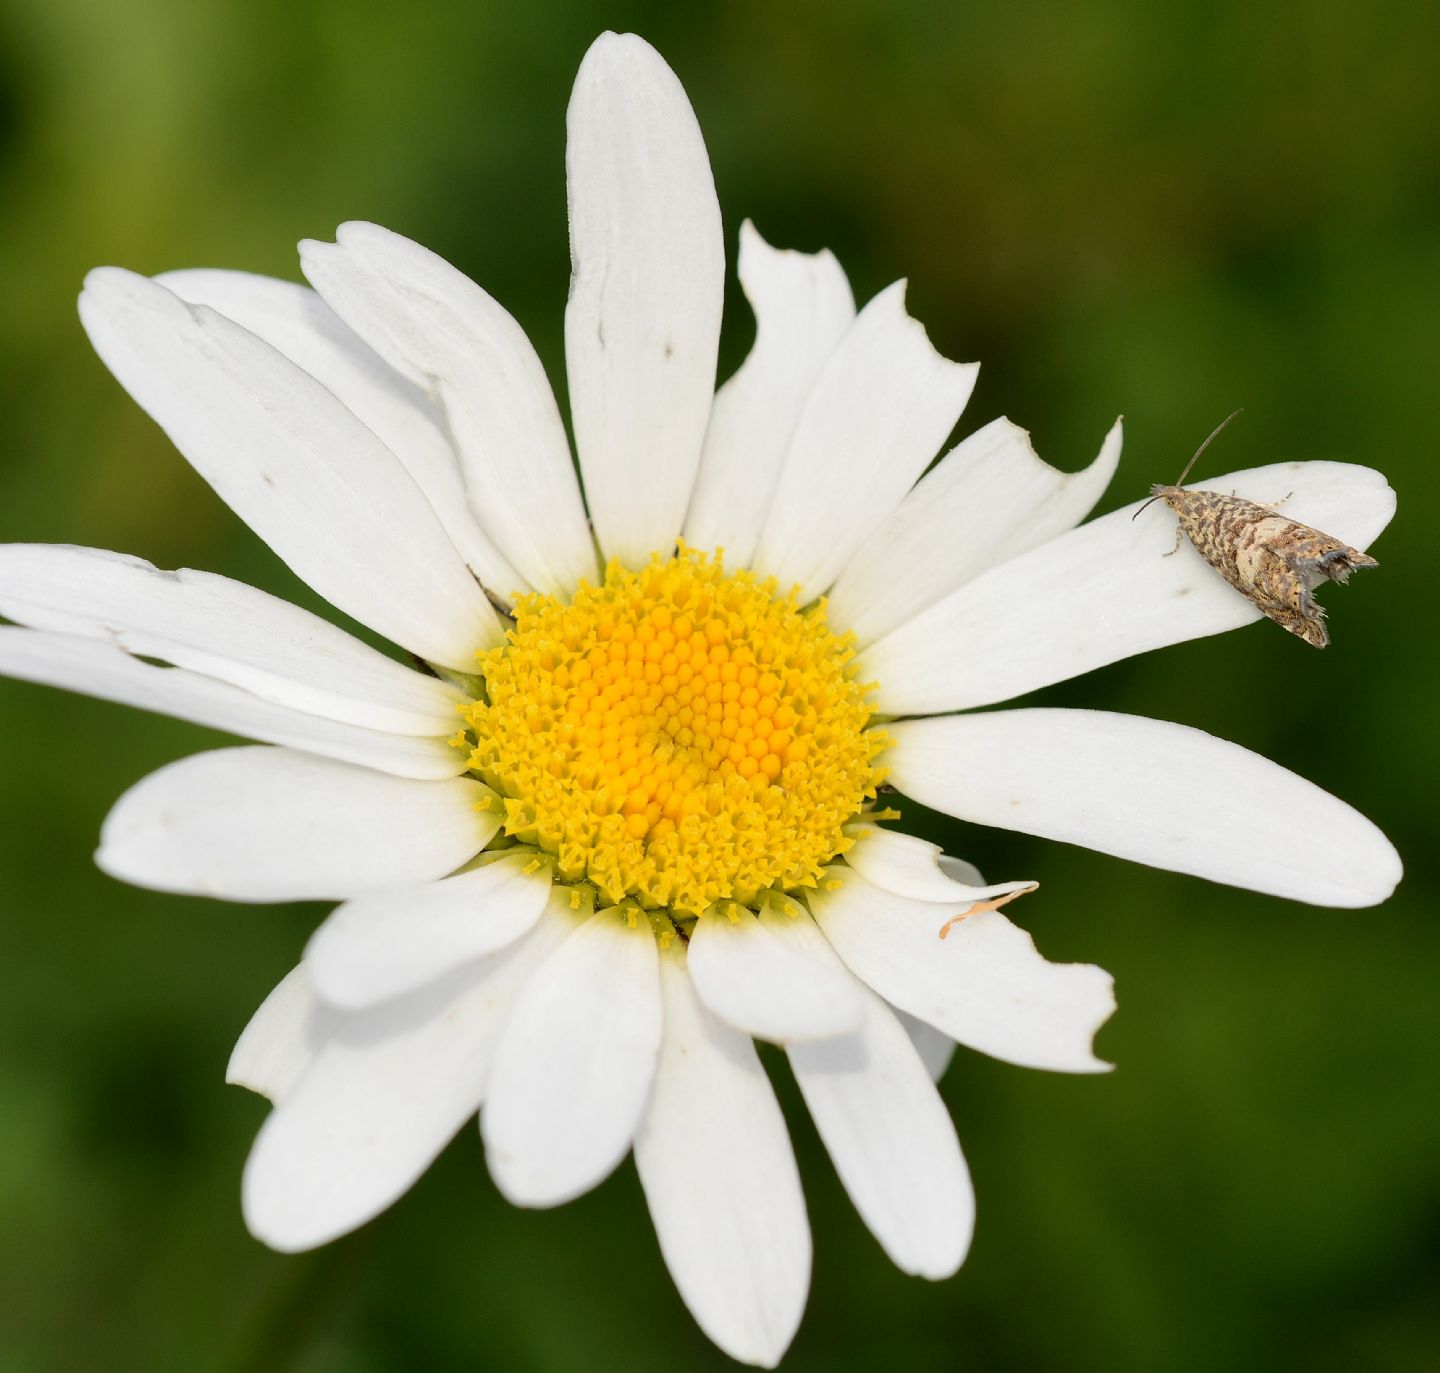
[989, 499]
[1100, 593]
[803, 307]
[984, 984]
[880, 408]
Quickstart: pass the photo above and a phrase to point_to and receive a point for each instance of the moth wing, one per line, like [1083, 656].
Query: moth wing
[1307, 623]
[1327, 559]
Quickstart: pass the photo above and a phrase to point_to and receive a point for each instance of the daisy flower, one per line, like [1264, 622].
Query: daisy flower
[625, 813]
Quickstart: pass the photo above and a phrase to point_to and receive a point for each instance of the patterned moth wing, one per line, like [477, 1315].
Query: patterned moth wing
[1274, 562]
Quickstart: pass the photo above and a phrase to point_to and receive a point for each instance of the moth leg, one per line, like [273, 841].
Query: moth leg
[1275, 505]
[1176, 548]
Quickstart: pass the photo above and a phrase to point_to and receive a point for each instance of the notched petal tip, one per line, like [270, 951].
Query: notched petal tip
[622, 58]
[1089, 984]
[1111, 446]
[361, 235]
[891, 301]
[108, 299]
[756, 253]
[986, 986]
[1106, 1006]
[109, 296]
[100, 281]
[613, 45]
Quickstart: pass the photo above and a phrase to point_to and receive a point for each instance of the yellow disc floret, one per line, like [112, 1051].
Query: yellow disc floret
[676, 735]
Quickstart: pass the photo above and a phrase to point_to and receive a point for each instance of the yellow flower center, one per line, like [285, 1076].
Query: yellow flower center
[676, 735]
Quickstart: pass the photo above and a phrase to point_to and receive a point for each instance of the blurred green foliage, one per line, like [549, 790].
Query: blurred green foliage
[1168, 210]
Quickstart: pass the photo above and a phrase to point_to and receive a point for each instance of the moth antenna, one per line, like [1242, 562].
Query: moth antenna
[1214, 434]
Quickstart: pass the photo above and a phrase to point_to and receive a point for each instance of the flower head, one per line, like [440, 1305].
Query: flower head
[624, 817]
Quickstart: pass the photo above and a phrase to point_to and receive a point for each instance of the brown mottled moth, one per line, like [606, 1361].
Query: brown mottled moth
[1273, 562]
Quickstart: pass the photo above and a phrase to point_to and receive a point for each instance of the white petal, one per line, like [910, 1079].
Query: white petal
[909, 866]
[983, 984]
[434, 325]
[222, 629]
[384, 1095]
[106, 672]
[720, 1179]
[268, 824]
[989, 499]
[887, 1131]
[647, 280]
[1103, 592]
[294, 320]
[398, 939]
[803, 307]
[935, 1048]
[763, 986]
[881, 407]
[958, 870]
[1151, 791]
[282, 1038]
[573, 1068]
[294, 464]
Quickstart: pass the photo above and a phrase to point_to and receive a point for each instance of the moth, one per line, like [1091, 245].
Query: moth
[1274, 562]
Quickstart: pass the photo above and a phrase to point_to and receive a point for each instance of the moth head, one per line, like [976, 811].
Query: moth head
[1159, 492]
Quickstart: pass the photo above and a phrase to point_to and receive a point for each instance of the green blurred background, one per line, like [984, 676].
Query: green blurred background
[1166, 210]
